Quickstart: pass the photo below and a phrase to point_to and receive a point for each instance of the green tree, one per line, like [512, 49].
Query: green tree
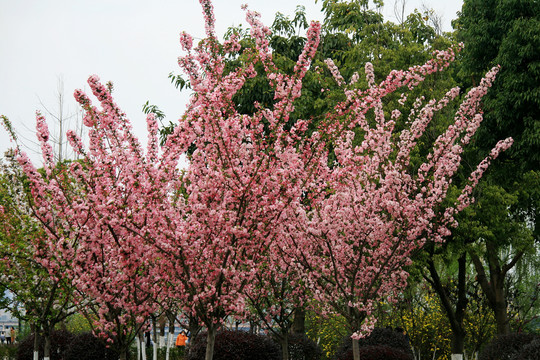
[505, 218]
[506, 33]
[504, 238]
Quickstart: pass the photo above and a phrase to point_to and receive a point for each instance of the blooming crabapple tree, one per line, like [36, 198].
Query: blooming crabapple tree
[91, 211]
[378, 209]
[41, 300]
[243, 179]
[209, 226]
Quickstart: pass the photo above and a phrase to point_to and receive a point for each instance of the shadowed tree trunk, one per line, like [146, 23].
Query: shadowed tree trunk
[162, 321]
[299, 324]
[493, 288]
[455, 315]
[47, 347]
[356, 349]
[36, 341]
[284, 342]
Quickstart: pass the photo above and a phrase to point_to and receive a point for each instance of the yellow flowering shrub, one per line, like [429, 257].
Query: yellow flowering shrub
[327, 331]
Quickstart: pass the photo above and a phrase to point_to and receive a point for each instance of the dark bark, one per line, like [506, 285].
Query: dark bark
[171, 334]
[162, 322]
[123, 355]
[154, 337]
[299, 323]
[493, 287]
[194, 328]
[284, 342]
[455, 315]
[36, 340]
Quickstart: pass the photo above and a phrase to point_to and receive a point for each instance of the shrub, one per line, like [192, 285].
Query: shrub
[8, 352]
[388, 337]
[530, 351]
[303, 348]
[329, 330]
[506, 347]
[380, 344]
[377, 352]
[236, 345]
[60, 340]
[86, 346]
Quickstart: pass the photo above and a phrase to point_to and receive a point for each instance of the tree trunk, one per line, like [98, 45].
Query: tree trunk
[194, 328]
[284, 342]
[170, 337]
[458, 344]
[458, 338]
[36, 343]
[493, 288]
[143, 345]
[47, 347]
[162, 322]
[154, 338]
[168, 346]
[210, 341]
[123, 355]
[457, 315]
[252, 327]
[501, 313]
[299, 324]
[356, 349]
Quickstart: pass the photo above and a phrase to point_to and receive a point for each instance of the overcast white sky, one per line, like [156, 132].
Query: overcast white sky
[133, 43]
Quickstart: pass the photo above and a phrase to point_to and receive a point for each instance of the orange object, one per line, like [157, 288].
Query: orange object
[181, 339]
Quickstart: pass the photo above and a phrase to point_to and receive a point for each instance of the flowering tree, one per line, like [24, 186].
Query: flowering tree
[41, 300]
[378, 209]
[243, 178]
[110, 215]
[83, 208]
[126, 226]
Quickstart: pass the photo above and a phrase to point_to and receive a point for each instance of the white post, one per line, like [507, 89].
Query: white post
[36, 355]
[457, 356]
